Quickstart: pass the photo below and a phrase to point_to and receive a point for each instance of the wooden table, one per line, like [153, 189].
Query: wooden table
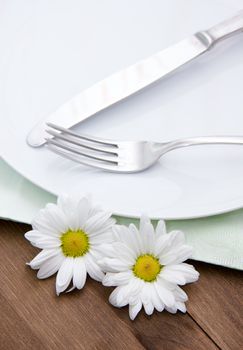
[33, 317]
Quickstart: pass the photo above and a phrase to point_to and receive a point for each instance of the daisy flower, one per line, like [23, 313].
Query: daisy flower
[146, 266]
[70, 234]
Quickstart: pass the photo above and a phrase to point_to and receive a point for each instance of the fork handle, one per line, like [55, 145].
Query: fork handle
[225, 29]
[196, 141]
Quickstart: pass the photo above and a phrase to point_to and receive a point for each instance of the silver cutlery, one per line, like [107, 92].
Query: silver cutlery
[134, 78]
[120, 156]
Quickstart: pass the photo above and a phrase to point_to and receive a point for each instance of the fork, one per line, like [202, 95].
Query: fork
[120, 156]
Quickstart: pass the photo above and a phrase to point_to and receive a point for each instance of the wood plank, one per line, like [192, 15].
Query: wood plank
[70, 321]
[32, 314]
[216, 304]
[15, 334]
[162, 330]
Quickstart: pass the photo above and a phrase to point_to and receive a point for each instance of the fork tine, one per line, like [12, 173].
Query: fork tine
[77, 142]
[104, 158]
[83, 137]
[83, 161]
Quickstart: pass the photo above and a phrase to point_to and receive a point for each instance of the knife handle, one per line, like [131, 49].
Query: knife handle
[226, 29]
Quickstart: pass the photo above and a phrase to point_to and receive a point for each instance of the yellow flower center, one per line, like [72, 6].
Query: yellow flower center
[74, 243]
[147, 267]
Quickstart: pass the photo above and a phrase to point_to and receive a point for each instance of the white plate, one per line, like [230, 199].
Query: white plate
[51, 50]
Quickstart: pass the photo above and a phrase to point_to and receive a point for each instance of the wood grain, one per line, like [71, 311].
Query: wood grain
[32, 317]
[216, 305]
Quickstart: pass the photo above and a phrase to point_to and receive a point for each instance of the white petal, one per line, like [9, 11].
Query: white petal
[177, 238]
[47, 244]
[135, 285]
[117, 279]
[172, 309]
[135, 239]
[135, 243]
[160, 228]
[67, 204]
[93, 268]
[70, 289]
[180, 274]
[46, 230]
[149, 308]
[124, 253]
[73, 222]
[34, 235]
[96, 240]
[126, 294]
[134, 309]
[161, 244]
[94, 209]
[180, 294]
[173, 276]
[79, 273]
[50, 266]
[181, 306]
[82, 211]
[176, 256]
[146, 298]
[104, 229]
[159, 306]
[148, 236]
[180, 298]
[41, 223]
[78, 214]
[165, 295]
[54, 218]
[96, 222]
[145, 292]
[75, 208]
[122, 235]
[166, 284]
[119, 296]
[113, 265]
[105, 249]
[42, 257]
[64, 275]
[42, 241]
[144, 220]
[97, 254]
[168, 243]
[169, 258]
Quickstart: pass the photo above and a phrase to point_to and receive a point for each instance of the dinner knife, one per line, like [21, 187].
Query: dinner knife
[134, 78]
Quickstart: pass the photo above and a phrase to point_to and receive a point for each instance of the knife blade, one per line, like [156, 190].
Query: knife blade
[134, 78]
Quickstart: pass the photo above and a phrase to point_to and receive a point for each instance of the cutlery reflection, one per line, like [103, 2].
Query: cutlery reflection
[121, 156]
[134, 78]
